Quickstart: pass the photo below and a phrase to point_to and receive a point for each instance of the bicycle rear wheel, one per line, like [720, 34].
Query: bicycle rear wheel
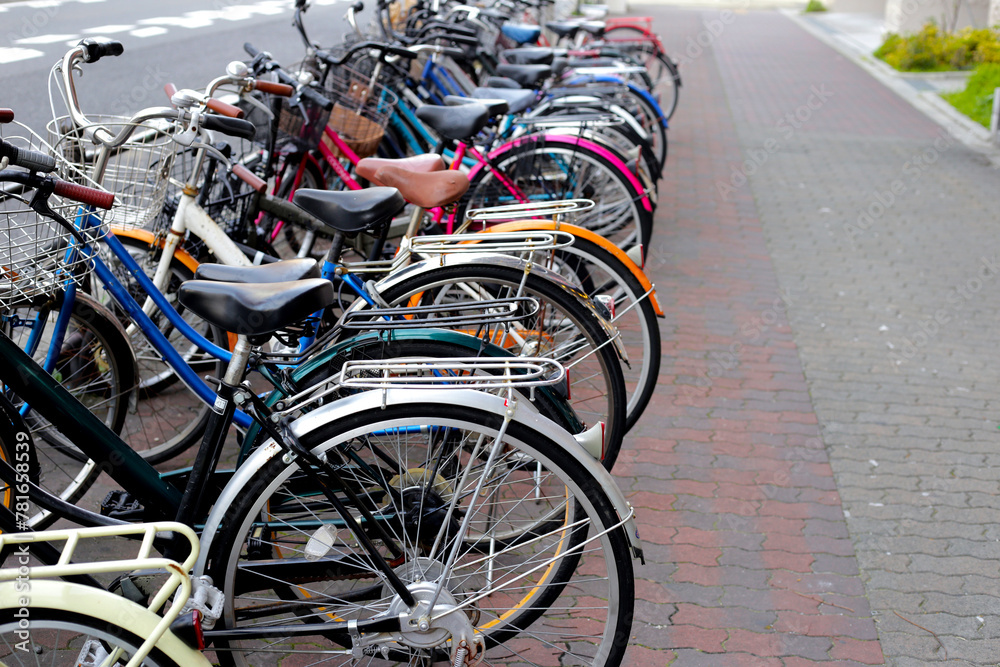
[566, 329]
[544, 574]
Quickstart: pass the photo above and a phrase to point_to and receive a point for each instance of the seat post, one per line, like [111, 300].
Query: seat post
[219, 421]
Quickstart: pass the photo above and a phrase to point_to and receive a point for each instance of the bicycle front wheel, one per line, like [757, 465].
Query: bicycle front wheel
[543, 573]
[64, 638]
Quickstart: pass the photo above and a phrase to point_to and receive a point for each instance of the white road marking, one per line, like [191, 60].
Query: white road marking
[151, 31]
[11, 54]
[109, 29]
[46, 39]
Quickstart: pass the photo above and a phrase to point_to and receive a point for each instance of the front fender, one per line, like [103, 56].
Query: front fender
[371, 400]
[100, 604]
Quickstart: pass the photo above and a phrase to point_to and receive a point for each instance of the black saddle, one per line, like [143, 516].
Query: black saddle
[458, 123]
[351, 211]
[563, 28]
[559, 65]
[255, 309]
[495, 106]
[528, 76]
[536, 55]
[595, 28]
[517, 99]
[276, 272]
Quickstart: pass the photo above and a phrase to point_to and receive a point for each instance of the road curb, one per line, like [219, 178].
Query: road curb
[929, 103]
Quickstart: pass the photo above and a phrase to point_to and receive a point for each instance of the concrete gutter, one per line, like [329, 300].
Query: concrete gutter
[920, 90]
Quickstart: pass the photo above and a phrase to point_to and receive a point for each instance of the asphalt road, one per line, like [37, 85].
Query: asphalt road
[186, 42]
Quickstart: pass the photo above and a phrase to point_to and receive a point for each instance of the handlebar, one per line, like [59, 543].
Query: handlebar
[383, 49]
[27, 158]
[234, 127]
[95, 48]
[65, 189]
[304, 91]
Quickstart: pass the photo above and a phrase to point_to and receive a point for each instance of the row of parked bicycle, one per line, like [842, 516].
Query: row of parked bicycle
[420, 302]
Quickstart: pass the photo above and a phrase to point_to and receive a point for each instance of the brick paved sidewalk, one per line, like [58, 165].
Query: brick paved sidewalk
[825, 258]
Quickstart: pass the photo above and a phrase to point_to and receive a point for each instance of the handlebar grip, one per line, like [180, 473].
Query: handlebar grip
[250, 49]
[234, 127]
[316, 97]
[272, 88]
[84, 195]
[224, 108]
[6, 115]
[27, 158]
[170, 89]
[453, 52]
[250, 178]
[358, 6]
[95, 48]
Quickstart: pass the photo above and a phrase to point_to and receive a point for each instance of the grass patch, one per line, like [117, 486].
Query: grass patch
[976, 101]
[815, 6]
[933, 50]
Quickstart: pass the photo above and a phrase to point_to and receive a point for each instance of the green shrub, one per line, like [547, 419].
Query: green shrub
[815, 6]
[976, 101]
[933, 50]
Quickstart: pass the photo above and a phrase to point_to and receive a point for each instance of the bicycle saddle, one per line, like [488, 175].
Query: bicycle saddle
[275, 272]
[495, 106]
[563, 28]
[595, 28]
[529, 76]
[458, 123]
[428, 190]
[351, 211]
[254, 309]
[559, 65]
[521, 33]
[517, 99]
[425, 163]
[537, 55]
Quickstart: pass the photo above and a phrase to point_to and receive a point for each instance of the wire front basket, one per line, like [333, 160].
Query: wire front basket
[138, 171]
[38, 255]
[360, 113]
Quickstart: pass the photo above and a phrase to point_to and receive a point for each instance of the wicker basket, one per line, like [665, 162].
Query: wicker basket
[360, 114]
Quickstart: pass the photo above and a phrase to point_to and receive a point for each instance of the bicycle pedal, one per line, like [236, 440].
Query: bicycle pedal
[122, 505]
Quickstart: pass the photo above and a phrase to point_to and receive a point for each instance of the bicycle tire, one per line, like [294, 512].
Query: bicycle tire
[249, 533]
[608, 392]
[16, 451]
[660, 67]
[600, 272]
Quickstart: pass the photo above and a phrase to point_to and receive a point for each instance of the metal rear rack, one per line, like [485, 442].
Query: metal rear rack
[477, 313]
[550, 209]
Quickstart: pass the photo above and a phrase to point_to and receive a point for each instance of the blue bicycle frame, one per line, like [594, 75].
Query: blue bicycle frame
[84, 221]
